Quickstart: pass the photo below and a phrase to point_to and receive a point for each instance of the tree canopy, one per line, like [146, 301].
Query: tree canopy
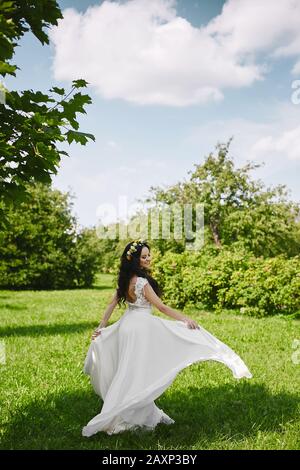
[237, 209]
[32, 123]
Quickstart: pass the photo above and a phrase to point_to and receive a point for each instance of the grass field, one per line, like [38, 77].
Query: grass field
[46, 399]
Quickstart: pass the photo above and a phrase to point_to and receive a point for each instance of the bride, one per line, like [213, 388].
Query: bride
[134, 360]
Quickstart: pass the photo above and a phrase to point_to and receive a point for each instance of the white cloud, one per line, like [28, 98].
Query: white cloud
[96, 181]
[296, 68]
[274, 143]
[97, 185]
[143, 52]
[249, 26]
[286, 144]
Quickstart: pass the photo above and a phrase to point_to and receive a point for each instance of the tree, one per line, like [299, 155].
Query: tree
[43, 248]
[30, 128]
[236, 208]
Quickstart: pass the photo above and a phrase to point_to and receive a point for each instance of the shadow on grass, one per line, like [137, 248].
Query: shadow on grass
[14, 307]
[56, 289]
[202, 416]
[5, 297]
[42, 330]
[102, 287]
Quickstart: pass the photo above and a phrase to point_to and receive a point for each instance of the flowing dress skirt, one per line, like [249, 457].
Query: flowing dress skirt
[134, 360]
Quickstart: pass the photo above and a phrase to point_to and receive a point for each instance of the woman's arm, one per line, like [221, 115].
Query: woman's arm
[106, 315]
[109, 309]
[157, 302]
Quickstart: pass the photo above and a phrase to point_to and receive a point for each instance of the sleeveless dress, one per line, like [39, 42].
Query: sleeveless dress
[134, 360]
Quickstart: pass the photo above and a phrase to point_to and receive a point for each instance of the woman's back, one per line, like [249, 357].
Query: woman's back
[135, 295]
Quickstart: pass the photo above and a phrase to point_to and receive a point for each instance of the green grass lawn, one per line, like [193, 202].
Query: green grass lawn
[46, 399]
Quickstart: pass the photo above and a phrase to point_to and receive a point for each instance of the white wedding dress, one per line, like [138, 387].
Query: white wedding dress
[134, 360]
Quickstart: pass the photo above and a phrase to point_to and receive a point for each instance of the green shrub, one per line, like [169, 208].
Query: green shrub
[266, 287]
[41, 247]
[232, 279]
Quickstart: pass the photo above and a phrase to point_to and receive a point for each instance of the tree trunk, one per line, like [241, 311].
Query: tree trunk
[215, 233]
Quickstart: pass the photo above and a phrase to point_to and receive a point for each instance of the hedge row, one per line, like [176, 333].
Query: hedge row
[231, 279]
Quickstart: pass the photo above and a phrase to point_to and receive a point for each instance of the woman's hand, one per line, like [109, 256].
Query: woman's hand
[96, 333]
[192, 324]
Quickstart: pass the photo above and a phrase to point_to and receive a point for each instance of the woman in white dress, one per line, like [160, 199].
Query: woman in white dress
[134, 360]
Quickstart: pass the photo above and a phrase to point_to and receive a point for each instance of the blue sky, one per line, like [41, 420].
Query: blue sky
[168, 80]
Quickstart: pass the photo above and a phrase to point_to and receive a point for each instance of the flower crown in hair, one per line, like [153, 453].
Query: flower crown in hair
[133, 248]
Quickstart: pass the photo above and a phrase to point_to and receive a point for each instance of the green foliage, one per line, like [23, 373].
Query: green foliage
[42, 386]
[88, 254]
[269, 226]
[19, 16]
[265, 287]
[30, 128]
[42, 248]
[249, 260]
[167, 270]
[233, 279]
[236, 208]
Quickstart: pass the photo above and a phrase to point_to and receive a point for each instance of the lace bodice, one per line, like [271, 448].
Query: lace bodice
[141, 300]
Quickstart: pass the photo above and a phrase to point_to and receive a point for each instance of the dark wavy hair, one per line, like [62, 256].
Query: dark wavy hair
[131, 267]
